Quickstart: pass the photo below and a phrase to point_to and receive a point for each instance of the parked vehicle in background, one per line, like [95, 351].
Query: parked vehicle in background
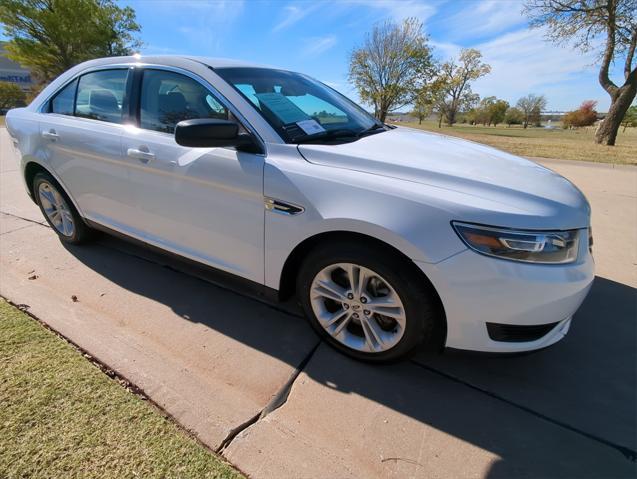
[390, 238]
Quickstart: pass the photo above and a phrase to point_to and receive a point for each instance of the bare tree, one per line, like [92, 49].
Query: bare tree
[457, 78]
[584, 22]
[391, 66]
[531, 106]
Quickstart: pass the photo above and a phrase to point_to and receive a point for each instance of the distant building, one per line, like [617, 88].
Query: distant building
[11, 71]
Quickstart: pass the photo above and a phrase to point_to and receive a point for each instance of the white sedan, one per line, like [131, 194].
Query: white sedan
[391, 238]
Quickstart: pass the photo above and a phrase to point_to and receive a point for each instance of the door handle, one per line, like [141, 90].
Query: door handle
[141, 154]
[50, 135]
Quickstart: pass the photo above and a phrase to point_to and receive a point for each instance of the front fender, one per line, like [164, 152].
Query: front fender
[337, 200]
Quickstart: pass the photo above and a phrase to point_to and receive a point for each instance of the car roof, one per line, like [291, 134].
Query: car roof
[210, 61]
[225, 62]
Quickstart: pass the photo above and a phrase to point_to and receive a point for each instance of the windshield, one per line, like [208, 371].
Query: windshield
[299, 108]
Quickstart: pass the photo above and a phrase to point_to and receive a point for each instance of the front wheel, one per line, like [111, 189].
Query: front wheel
[366, 301]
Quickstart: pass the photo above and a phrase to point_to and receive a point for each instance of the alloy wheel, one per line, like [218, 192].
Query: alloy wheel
[56, 209]
[358, 307]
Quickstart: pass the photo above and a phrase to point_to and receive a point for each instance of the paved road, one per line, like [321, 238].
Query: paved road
[227, 366]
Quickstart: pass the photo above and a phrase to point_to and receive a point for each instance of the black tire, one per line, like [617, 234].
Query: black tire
[419, 300]
[81, 232]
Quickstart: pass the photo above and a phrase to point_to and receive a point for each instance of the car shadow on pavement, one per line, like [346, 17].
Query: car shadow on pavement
[565, 411]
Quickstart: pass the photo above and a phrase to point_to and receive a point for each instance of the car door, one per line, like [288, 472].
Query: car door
[81, 129]
[202, 203]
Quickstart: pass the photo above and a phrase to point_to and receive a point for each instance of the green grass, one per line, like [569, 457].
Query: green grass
[539, 142]
[61, 416]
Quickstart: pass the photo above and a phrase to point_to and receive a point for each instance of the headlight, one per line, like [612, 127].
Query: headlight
[521, 245]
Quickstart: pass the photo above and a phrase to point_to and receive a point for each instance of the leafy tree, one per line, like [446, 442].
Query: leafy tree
[470, 116]
[497, 111]
[51, 36]
[393, 63]
[456, 78]
[585, 115]
[11, 95]
[630, 118]
[426, 99]
[586, 22]
[531, 107]
[482, 113]
[422, 107]
[514, 116]
[491, 111]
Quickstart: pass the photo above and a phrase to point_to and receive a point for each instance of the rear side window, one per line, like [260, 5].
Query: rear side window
[62, 103]
[168, 98]
[100, 95]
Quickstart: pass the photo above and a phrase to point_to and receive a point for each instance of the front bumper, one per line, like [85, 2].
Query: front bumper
[476, 290]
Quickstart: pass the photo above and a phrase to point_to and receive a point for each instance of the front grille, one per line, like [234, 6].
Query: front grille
[512, 333]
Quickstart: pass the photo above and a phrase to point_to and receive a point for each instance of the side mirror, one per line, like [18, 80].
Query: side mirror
[211, 133]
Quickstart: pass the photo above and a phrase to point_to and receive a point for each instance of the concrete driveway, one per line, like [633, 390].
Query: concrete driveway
[253, 382]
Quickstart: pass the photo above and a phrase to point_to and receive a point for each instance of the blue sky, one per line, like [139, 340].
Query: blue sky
[315, 37]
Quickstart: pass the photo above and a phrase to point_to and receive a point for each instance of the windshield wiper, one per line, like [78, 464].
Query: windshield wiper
[371, 129]
[343, 133]
[329, 135]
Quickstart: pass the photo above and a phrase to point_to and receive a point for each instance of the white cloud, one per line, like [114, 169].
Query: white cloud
[400, 9]
[445, 50]
[486, 17]
[363, 10]
[295, 13]
[524, 62]
[318, 45]
[200, 23]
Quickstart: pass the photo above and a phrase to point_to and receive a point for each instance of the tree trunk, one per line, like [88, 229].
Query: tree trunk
[451, 117]
[607, 132]
[439, 121]
[382, 115]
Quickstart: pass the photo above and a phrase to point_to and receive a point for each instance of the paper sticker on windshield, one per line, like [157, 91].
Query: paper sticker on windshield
[282, 107]
[310, 127]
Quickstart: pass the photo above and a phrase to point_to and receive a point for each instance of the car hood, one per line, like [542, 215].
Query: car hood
[544, 198]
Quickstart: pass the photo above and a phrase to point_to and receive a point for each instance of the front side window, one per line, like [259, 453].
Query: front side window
[100, 95]
[168, 98]
[299, 108]
[63, 102]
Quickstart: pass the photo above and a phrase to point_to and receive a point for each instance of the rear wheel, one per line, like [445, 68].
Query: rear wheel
[366, 301]
[58, 210]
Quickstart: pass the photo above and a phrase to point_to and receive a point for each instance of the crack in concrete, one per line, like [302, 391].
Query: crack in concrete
[281, 397]
[234, 432]
[41, 223]
[278, 400]
[628, 453]
[17, 229]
